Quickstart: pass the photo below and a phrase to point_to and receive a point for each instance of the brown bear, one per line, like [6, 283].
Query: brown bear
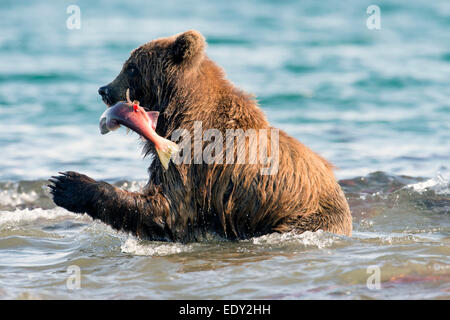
[192, 200]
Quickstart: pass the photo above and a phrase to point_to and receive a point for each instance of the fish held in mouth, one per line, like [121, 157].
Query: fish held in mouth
[134, 117]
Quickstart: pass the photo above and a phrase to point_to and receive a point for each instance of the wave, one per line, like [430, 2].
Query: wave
[145, 248]
[376, 190]
[438, 184]
[25, 216]
[35, 194]
[379, 191]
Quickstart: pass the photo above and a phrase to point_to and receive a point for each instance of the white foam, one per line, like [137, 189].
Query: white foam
[438, 184]
[317, 239]
[134, 186]
[134, 246]
[13, 198]
[20, 216]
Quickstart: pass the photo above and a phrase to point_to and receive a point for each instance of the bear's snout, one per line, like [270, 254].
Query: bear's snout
[105, 93]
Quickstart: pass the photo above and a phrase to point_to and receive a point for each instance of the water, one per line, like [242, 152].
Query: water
[375, 103]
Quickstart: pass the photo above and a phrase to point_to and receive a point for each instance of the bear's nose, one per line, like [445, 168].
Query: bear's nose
[103, 91]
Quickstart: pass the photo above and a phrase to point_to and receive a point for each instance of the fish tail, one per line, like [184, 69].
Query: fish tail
[166, 153]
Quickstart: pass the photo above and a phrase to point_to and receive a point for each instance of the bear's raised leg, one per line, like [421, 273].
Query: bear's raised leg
[142, 214]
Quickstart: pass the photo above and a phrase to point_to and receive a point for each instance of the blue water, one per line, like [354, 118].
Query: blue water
[367, 100]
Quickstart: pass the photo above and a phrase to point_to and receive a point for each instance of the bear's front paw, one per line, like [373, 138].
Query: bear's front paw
[72, 191]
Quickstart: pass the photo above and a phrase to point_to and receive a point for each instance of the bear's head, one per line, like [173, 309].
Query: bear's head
[154, 69]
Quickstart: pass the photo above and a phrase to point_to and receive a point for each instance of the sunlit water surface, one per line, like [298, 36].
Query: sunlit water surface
[375, 103]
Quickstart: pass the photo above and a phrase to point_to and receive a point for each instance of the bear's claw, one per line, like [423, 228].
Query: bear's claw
[71, 190]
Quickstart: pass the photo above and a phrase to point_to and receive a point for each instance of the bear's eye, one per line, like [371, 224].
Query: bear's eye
[132, 70]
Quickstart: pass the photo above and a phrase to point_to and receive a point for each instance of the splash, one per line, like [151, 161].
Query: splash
[132, 186]
[143, 248]
[318, 239]
[438, 184]
[12, 198]
[24, 216]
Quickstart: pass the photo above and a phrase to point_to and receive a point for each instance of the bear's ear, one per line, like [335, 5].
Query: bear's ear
[188, 47]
